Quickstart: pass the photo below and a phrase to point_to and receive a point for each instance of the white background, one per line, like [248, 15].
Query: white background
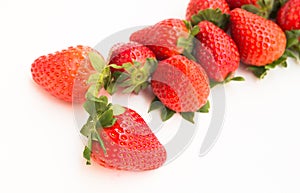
[40, 147]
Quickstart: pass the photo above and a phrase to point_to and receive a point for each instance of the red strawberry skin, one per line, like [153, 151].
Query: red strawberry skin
[195, 6]
[180, 84]
[58, 72]
[239, 3]
[128, 52]
[162, 37]
[288, 17]
[216, 52]
[130, 145]
[259, 41]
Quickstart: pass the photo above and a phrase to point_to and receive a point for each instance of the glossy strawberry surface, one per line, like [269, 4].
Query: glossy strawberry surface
[130, 145]
[259, 41]
[58, 72]
[195, 6]
[216, 51]
[128, 52]
[180, 84]
[162, 38]
[239, 3]
[288, 17]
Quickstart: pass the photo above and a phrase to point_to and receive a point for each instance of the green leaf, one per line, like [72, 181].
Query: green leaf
[96, 137]
[251, 8]
[155, 104]
[150, 66]
[205, 108]
[290, 53]
[106, 119]
[116, 66]
[166, 113]
[238, 78]
[216, 16]
[93, 78]
[264, 8]
[195, 30]
[228, 79]
[87, 155]
[292, 42]
[118, 109]
[136, 75]
[189, 116]
[112, 88]
[97, 61]
[259, 71]
[187, 24]
[87, 127]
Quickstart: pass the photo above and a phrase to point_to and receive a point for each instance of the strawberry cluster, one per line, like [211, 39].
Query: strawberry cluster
[179, 60]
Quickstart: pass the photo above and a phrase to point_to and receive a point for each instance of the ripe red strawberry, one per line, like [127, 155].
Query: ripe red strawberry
[260, 7]
[135, 62]
[165, 38]
[216, 52]
[58, 72]
[239, 3]
[195, 6]
[260, 41]
[122, 53]
[180, 84]
[288, 17]
[120, 139]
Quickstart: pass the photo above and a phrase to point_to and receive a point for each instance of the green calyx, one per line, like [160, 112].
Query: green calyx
[228, 79]
[187, 43]
[277, 5]
[166, 113]
[293, 43]
[135, 76]
[101, 115]
[102, 78]
[264, 8]
[216, 16]
[261, 71]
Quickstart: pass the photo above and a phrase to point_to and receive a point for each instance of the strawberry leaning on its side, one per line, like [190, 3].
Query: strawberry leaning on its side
[57, 73]
[119, 138]
[180, 84]
[216, 52]
[133, 65]
[195, 6]
[288, 17]
[259, 41]
[165, 38]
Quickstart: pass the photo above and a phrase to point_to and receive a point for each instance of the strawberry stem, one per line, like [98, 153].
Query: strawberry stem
[136, 75]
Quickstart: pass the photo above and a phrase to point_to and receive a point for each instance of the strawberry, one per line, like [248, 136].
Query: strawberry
[239, 3]
[260, 42]
[260, 7]
[288, 17]
[135, 62]
[119, 138]
[195, 6]
[167, 38]
[58, 72]
[216, 52]
[215, 11]
[122, 53]
[180, 84]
